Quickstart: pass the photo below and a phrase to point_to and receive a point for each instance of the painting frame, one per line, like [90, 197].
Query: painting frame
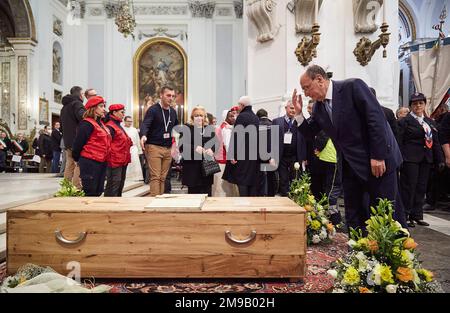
[43, 111]
[137, 94]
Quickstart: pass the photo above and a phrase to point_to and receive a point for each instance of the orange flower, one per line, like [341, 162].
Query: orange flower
[330, 227]
[404, 274]
[409, 244]
[364, 290]
[308, 208]
[373, 245]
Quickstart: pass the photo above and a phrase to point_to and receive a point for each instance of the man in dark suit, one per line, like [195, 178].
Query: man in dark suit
[349, 113]
[389, 114]
[292, 147]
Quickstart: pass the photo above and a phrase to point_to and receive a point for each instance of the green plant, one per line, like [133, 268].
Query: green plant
[69, 190]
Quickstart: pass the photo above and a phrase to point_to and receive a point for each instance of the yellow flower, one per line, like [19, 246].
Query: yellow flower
[364, 290]
[407, 257]
[351, 276]
[426, 274]
[404, 274]
[386, 274]
[311, 199]
[315, 225]
[313, 214]
[409, 244]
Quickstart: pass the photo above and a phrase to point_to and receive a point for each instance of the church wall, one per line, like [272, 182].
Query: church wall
[335, 53]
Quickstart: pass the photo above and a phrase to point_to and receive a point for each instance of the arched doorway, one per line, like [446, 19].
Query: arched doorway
[159, 62]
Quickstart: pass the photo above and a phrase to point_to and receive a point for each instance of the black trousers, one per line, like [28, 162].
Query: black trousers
[92, 174]
[326, 181]
[249, 191]
[413, 184]
[200, 190]
[286, 172]
[115, 180]
[359, 195]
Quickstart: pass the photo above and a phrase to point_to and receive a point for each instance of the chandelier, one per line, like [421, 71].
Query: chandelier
[123, 13]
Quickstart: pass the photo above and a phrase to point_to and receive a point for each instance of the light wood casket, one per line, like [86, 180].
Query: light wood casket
[120, 238]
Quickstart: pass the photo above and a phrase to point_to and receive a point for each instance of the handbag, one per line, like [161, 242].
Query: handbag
[209, 167]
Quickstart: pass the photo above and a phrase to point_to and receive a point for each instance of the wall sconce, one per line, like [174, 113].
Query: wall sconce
[365, 49]
[306, 49]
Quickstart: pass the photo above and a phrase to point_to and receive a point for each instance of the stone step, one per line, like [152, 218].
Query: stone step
[2, 247]
[132, 185]
[2, 222]
[141, 191]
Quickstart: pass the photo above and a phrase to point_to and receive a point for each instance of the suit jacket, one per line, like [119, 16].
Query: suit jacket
[359, 129]
[411, 138]
[390, 117]
[297, 138]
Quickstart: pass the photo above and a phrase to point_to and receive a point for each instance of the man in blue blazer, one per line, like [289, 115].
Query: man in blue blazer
[351, 116]
[292, 147]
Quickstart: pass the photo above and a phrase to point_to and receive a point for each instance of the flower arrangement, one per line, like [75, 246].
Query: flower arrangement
[385, 261]
[69, 190]
[318, 226]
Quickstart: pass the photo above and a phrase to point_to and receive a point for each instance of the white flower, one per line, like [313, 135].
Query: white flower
[351, 243]
[377, 274]
[324, 221]
[338, 290]
[369, 279]
[323, 234]
[333, 273]
[297, 166]
[361, 256]
[315, 239]
[391, 288]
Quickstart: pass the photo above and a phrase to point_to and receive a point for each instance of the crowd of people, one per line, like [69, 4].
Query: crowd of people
[351, 146]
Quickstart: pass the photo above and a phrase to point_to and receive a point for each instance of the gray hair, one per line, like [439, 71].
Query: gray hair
[314, 70]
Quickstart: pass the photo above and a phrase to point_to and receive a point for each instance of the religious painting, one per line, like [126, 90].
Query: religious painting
[57, 96]
[43, 111]
[159, 62]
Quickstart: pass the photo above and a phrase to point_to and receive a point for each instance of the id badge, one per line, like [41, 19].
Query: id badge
[287, 138]
[166, 136]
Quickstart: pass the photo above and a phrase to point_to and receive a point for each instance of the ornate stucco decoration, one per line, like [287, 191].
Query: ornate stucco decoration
[202, 8]
[364, 13]
[163, 31]
[304, 15]
[263, 15]
[238, 8]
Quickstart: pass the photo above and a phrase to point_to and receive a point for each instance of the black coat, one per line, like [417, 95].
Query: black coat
[411, 139]
[444, 129]
[245, 172]
[23, 144]
[56, 139]
[71, 115]
[297, 138]
[192, 169]
[45, 146]
[390, 117]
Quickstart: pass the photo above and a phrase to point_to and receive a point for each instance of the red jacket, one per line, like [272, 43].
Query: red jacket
[98, 146]
[120, 147]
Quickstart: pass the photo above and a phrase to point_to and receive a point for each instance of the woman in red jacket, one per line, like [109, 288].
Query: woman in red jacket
[91, 147]
[120, 154]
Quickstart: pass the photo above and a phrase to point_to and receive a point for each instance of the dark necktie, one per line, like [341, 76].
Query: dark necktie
[326, 102]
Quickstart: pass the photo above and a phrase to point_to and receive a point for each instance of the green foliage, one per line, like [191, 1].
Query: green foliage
[69, 190]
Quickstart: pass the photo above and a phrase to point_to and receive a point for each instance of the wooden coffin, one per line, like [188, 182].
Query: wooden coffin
[120, 238]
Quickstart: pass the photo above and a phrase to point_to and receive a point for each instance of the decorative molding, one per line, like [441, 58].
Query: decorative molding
[161, 10]
[238, 8]
[96, 11]
[22, 70]
[304, 14]
[64, 2]
[403, 8]
[163, 31]
[5, 91]
[202, 8]
[224, 12]
[364, 13]
[263, 15]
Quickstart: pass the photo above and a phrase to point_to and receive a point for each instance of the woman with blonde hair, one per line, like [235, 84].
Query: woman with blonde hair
[195, 150]
[91, 147]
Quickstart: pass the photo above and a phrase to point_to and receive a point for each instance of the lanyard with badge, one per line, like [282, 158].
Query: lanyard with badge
[288, 135]
[166, 124]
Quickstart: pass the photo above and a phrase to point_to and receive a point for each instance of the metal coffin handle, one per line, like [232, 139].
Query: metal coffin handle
[249, 239]
[60, 238]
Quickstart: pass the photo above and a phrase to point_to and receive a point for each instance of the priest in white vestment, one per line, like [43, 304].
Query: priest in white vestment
[134, 171]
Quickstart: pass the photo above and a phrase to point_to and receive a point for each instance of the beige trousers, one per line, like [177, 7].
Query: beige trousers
[159, 160]
[222, 188]
[72, 171]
